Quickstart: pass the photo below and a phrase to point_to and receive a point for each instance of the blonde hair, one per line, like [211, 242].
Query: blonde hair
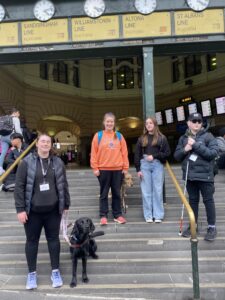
[110, 115]
[156, 133]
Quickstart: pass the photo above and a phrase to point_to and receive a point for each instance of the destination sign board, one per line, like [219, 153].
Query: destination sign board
[103, 28]
[156, 24]
[206, 22]
[54, 31]
[8, 34]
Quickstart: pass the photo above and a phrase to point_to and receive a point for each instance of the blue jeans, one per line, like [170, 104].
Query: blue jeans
[152, 189]
[5, 144]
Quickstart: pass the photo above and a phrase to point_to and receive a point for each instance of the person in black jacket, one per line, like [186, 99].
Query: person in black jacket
[151, 151]
[41, 197]
[18, 146]
[197, 150]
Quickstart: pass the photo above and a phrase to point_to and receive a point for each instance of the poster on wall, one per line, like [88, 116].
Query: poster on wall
[159, 119]
[220, 105]
[169, 116]
[206, 108]
[180, 113]
[192, 108]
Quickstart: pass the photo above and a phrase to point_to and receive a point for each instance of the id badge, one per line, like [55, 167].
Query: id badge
[193, 157]
[44, 187]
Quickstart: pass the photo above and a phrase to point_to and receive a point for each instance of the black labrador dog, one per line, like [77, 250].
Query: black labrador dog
[82, 245]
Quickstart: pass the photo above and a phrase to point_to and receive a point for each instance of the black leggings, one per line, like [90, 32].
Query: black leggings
[51, 223]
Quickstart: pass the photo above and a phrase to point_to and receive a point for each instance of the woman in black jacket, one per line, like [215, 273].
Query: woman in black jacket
[41, 196]
[151, 152]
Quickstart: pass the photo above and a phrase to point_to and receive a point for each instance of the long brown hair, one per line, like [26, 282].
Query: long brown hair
[156, 133]
[110, 115]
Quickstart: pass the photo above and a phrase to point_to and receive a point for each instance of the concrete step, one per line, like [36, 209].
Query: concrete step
[148, 286]
[136, 260]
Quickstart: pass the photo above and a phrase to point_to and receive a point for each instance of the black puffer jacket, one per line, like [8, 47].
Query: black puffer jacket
[25, 184]
[206, 150]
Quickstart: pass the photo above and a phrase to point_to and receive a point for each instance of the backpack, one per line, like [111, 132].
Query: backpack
[100, 133]
[221, 144]
[6, 125]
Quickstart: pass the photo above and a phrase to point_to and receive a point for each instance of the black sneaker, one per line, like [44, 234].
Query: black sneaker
[187, 232]
[211, 234]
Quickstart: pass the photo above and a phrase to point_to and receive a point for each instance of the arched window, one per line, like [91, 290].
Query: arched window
[125, 78]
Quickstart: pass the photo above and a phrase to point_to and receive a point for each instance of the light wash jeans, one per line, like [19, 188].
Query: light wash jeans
[5, 144]
[152, 189]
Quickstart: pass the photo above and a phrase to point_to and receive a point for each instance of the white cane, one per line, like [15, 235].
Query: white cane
[182, 210]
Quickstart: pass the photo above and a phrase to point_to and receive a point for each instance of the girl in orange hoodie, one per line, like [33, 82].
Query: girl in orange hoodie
[109, 161]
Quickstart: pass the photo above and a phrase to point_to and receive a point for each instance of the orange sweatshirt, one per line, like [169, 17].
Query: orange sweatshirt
[110, 153]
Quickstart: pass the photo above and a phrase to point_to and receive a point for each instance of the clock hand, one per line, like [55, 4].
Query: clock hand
[48, 11]
[98, 9]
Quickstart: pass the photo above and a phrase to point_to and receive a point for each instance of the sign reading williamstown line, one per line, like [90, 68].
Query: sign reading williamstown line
[86, 29]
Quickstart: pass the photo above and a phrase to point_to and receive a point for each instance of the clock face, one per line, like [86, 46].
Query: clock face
[145, 7]
[94, 8]
[2, 13]
[198, 5]
[44, 10]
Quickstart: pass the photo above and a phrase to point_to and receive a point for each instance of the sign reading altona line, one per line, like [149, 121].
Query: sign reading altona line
[156, 24]
[206, 22]
[54, 31]
[104, 28]
[8, 34]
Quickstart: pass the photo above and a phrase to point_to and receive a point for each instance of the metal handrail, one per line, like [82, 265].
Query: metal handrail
[194, 240]
[16, 162]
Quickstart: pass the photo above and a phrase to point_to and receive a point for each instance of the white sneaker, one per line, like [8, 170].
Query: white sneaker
[158, 221]
[149, 221]
[2, 171]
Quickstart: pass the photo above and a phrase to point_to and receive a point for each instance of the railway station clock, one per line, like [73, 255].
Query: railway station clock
[94, 8]
[2, 13]
[145, 7]
[44, 10]
[198, 5]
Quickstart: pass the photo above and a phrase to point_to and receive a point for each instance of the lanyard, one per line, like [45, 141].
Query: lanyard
[44, 172]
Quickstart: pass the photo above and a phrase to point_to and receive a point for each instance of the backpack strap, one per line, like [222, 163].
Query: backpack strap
[119, 135]
[100, 134]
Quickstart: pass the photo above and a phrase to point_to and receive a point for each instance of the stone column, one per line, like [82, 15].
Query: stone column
[148, 83]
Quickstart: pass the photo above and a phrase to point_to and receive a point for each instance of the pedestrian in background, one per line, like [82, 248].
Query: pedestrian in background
[152, 150]
[109, 161]
[221, 144]
[197, 150]
[18, 146]
[5, 139]
[41, 197]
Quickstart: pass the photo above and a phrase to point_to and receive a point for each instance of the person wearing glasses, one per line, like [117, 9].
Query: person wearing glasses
[197, 150]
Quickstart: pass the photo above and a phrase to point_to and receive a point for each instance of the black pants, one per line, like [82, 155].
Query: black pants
[207, 190]
[51, 223]
[113, 180]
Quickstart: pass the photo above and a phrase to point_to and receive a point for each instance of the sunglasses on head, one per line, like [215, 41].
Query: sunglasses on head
[196, 121]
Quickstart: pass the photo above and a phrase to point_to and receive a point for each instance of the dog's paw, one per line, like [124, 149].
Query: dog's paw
[73, 284]
[85, 279]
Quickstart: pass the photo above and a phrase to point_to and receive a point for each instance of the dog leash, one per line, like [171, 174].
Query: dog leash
[64, 226]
